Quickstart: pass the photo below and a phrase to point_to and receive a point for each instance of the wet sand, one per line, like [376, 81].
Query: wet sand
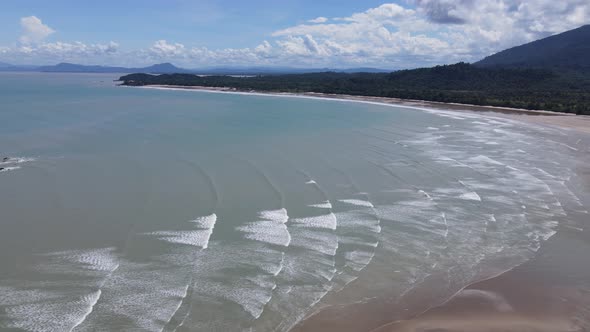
[550, 293]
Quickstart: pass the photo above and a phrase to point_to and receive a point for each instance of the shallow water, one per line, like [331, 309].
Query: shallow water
[126, 208]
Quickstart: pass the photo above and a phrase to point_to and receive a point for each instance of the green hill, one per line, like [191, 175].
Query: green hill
[570, 49]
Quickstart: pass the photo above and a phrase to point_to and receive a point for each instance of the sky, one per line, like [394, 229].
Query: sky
[304, 33]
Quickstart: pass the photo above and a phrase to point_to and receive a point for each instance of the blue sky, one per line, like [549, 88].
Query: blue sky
[211, 23]
[394, 34]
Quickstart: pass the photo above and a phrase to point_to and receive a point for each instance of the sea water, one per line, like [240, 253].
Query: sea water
[162, 210]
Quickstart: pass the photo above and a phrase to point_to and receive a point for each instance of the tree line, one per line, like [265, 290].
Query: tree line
[558, 90]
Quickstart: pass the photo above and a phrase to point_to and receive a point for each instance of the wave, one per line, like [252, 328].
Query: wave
[94, 260]
[267, 231]
[322, 242]
[470, 196]
[15, 160]
[63, 314]
[198, 237]
[206, 222]
[357, 202]
[326, 221]
[358, 259]
[7, 169]
[323, 205]
[271, 229]
[63, 303]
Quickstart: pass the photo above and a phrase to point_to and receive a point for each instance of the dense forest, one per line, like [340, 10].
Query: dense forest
[570, 49]
[557, 90]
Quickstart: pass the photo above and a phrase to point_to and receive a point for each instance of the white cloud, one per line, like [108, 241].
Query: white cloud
[264, 49]
[424, 33]
[162, 48]
[34, 30]
[50, 53]
[384, 14]
[320, 19]
[433, 31]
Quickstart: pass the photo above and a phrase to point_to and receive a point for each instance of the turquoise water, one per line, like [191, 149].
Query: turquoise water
[130, 208]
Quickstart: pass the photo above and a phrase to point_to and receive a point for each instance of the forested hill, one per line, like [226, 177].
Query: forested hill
[561, 91]
[570, 49]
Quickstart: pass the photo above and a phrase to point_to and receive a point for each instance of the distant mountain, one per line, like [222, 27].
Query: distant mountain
[168, 68]
[75, 68]
[161, 68]
[9, 67]
[570, 49]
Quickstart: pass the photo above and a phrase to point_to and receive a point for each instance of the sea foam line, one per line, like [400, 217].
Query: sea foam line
[326, 221]
[271, 229]
[11, 168]
[198, 237]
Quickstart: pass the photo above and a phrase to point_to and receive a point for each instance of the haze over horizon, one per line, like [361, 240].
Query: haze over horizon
[336, 34]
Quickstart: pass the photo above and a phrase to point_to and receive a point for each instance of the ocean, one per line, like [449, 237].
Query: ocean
[164, 210]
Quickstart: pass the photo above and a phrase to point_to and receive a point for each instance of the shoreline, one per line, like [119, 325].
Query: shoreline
[537, 304]
[568, 121]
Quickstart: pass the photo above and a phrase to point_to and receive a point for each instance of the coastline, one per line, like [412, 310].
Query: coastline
[578, 123]
[539, 303]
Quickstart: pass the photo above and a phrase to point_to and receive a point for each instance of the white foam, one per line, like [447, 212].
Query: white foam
[267, 231]
[15, 296]
[358, 259]
[43, 307]
[197, 238]
[425, 194]
[323, 242]
[252, 296]
[93, 300]
[271, 229]
[358, 221]
[59, 315]
[311, 182]
[92, 260]
[142, 295]
[311, 268]
[251, 289]
[357, 202]
[207, 222]
[432, 128]
[470, 196]
[326, 221]
[356, 241]
[279, 215]
[323, 205]
[16, 160]
[11, 168]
